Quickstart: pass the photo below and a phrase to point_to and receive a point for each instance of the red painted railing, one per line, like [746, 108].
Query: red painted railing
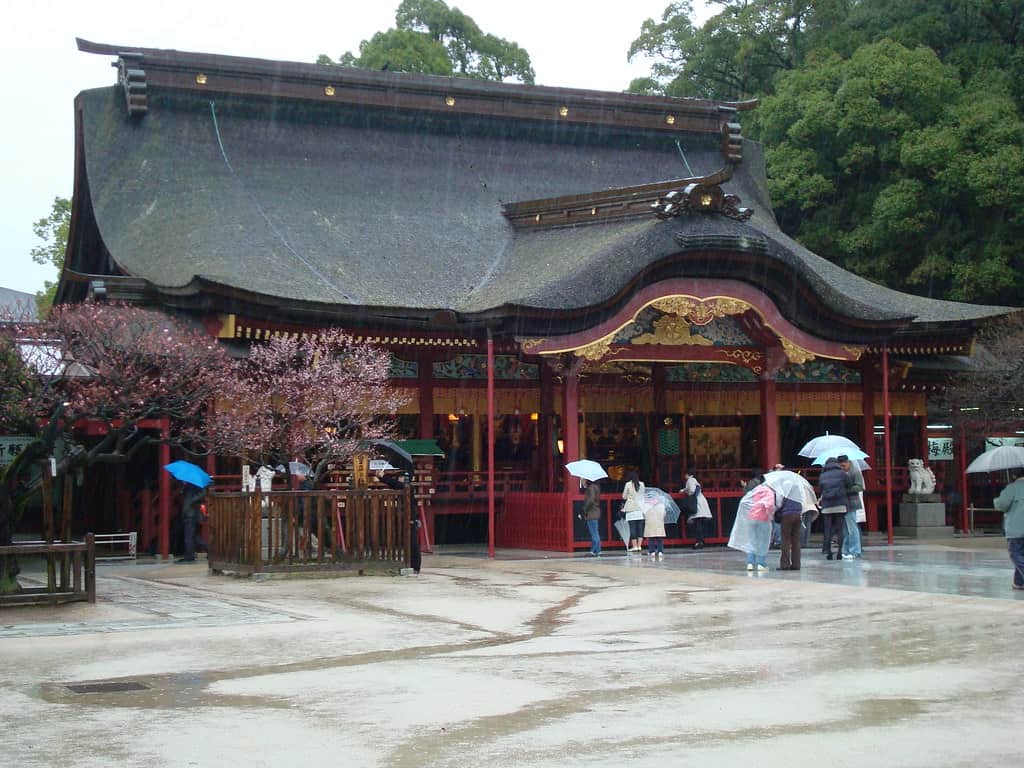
[545, 521]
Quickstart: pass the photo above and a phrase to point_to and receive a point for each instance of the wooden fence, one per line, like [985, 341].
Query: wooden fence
[70, 572]
[309, 530]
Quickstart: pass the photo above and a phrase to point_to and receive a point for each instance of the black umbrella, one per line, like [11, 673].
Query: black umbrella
[397, 454]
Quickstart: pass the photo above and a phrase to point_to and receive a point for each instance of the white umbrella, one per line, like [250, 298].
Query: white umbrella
[586, 469]
[789, 485]
[1003, 457]
[818, 445]
[854, 454]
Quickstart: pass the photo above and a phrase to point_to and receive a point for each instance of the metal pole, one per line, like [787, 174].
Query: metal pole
[490, 445]
[888, 443]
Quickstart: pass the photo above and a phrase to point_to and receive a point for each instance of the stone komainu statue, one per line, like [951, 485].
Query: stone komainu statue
[922, 479]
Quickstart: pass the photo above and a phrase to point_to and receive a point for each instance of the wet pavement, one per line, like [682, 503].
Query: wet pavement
[908, 657]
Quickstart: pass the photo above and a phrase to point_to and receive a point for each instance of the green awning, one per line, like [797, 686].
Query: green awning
[419, 447]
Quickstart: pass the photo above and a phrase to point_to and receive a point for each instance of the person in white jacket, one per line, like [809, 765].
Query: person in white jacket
[697, 508]
[633, 508]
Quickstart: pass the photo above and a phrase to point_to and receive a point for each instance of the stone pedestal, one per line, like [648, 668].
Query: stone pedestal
[923, 516]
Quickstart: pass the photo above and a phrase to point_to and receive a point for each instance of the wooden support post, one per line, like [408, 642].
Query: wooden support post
[965, 526]
[769, 422]
[545, 423]
[90, 567]
[164, 523]
[490, 445]
[47, 493]
[425, 380]
[888, 441]
[571, 442]
[867, 394]
[65, 534]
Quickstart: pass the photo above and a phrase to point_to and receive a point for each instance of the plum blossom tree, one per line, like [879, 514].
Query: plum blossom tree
[114, 366]
[315, 399]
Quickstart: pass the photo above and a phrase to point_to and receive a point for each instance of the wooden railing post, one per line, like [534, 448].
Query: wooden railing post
[90, 567]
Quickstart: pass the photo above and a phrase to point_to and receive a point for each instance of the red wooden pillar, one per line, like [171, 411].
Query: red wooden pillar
[769, 422]
[965, 501]
[490, 445]
[888, 441]
[571, 442]
[164, 526]
[546, 425]
[571, 417]
[425, 379]
[867, 394]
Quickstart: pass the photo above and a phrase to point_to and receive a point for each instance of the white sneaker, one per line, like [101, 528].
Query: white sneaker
[750, 566]
[849, 557]
[661, 556]
[762, 568]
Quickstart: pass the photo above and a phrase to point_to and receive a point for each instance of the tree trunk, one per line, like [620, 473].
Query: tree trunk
[9, 568]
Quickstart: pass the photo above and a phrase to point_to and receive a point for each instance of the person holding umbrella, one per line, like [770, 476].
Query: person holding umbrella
[194, 481]
[654, 527]
[191, 508]
[1011, 503]
[592, 514]
[590, 472]
[833, 488]
[632, 506]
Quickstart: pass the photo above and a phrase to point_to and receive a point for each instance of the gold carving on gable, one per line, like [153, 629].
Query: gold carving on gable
[672, 330]
[596, 350]
[701, 311]
[528, 345]
[855, 352]
[795, 353]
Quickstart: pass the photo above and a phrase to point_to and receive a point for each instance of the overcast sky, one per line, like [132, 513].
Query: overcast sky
[572, 43]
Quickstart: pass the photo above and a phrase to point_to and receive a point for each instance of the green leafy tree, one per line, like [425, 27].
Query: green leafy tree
[736, 53]
[888, 164]
[53, 231]
[431, 38]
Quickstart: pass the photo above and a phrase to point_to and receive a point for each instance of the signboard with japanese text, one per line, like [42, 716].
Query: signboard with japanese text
[940, 449]
[995, 442]
[11, 446]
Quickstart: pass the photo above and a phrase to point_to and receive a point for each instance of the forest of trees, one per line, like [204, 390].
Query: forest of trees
[892, 128]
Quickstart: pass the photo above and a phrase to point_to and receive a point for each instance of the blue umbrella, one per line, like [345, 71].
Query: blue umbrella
[189, 473]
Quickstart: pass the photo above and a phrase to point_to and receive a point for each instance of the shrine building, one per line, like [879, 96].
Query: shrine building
[618, 252]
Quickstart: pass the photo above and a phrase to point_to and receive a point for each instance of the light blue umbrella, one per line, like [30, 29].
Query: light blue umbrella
[189, 473]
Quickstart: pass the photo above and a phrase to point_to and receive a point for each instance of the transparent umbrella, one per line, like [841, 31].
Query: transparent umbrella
[654, 495]
[1003, 457]
[818, 445]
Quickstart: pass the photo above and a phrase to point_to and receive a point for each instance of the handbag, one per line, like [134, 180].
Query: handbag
[689, 505]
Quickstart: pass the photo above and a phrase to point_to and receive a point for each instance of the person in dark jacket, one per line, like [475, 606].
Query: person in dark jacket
[833, 492]
[592, 514]
[191, 503]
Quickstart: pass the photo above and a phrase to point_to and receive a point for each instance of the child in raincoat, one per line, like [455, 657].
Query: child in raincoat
[752, 531]
[654, 528]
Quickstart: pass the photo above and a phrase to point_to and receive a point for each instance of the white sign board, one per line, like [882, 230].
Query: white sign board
[11, 446]
[940, 449]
